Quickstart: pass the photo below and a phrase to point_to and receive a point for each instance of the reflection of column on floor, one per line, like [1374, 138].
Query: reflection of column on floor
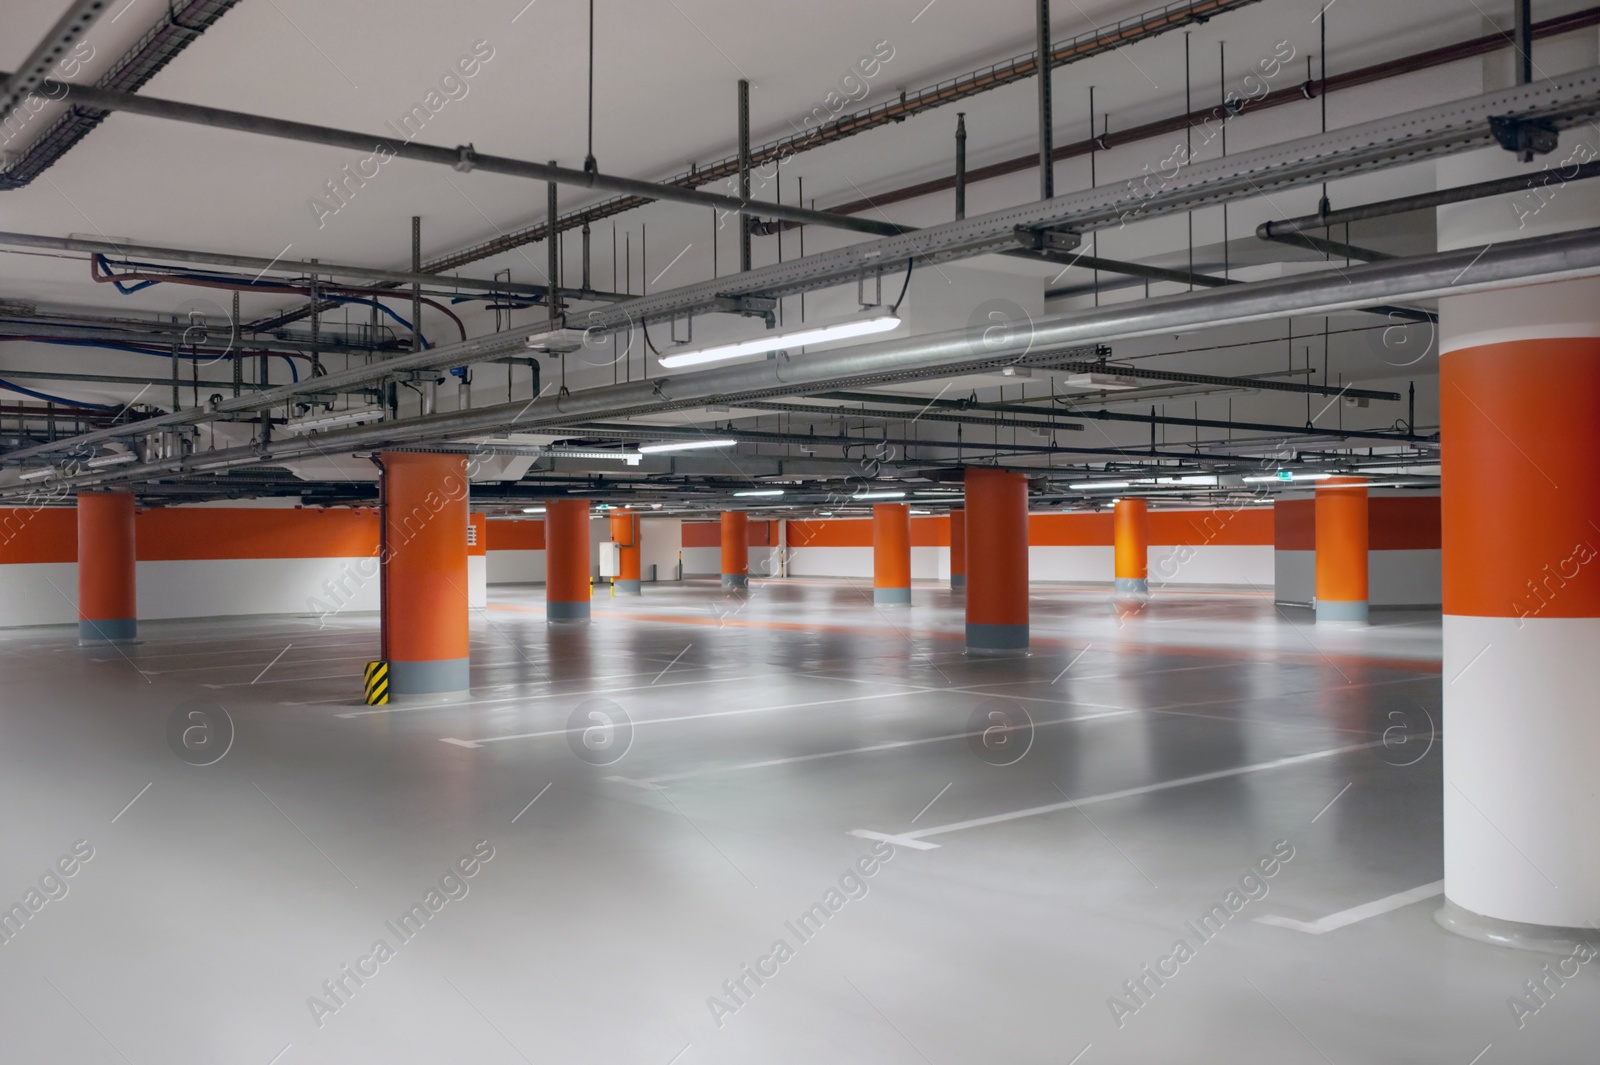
[107, 593]
[425, 573]
[891, 554]
[958, 550]
[567, 580]
[1342, 551]
[735, 549]
[625, 534]
[997, 561]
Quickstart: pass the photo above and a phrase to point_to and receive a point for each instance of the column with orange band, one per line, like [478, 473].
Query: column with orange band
[107, 590]
[735, 549]
[1131, 537]
[958, 550]
[1342, 551]
[997, 561]
[625, 534]
[1519, 386]
[891, 554]
[568, 584]
[425, 581]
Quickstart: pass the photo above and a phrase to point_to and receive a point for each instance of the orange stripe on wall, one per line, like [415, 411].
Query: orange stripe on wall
[830, 533]
[702, 534]
[930, 532]
[516, 536]
[1246, 527]
[1295, 521]
[1063, 530]
[1402, 523]
[44, 534]
[180, 533]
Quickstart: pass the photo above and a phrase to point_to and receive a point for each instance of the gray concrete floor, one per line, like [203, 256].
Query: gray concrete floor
[1022, 893]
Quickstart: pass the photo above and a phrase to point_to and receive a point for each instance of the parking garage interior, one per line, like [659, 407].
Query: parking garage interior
[692, 532]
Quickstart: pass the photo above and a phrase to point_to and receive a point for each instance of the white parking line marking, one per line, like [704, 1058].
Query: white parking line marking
[691, 717]
[1356, 914]
[1126, 793]
[650, 782]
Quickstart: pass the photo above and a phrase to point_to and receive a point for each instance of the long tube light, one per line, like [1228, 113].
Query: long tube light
[112, 460]
[1286, 476]
[684, 445]
[880, 495]
[793, 338]
[1100, 484]
[762, 492]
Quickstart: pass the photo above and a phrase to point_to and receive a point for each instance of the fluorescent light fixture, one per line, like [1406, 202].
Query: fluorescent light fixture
[1102, 382]
[684, 445]
[112, 460]
[36, 475]
[921, 513]
[533, 510]
[1090, 485]
[1285, 476]
[793, 338]
[334, 419]
[938, 492]
[880, 495]
[763, 492]
[632, 458]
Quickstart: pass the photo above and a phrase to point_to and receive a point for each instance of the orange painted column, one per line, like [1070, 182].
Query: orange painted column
[735, 549]
[568, 585]
[891, 554]
[997, 561]
[425, 596]
[1342, 551]
[107, 592]
[1131, 535]
[625, 534]
[1519, 380]
[958, 550]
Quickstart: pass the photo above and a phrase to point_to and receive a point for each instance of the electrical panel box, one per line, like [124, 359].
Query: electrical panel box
[610, 560]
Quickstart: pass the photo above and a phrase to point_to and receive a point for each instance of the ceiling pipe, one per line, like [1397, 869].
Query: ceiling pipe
[463, 158]
[1099, 41]
[42, 61]
[1556, 257]
[180, 25]
[1428, 200]
[1452, 53]
[281, 266]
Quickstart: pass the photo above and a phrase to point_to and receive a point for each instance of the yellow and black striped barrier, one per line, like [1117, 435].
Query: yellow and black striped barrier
[377, 683]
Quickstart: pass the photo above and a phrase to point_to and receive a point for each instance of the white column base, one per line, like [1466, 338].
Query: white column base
[1521, 773]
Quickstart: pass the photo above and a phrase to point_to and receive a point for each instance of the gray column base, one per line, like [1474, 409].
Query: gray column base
[1341, 613]
[891, 597]
[958, 582]
[628, 587]
[120, 630]
[736, 580]
[997, 639]
[567, 613]
[1133, 587]
[442, 677]
[1546, 939]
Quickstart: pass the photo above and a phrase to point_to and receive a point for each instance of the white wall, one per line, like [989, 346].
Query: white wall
[1296, 580]
[477, 582]
[201, 588]
[39, 593]
[659, 542]
[1240, 565]
[1405, 578]
[515, 567]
